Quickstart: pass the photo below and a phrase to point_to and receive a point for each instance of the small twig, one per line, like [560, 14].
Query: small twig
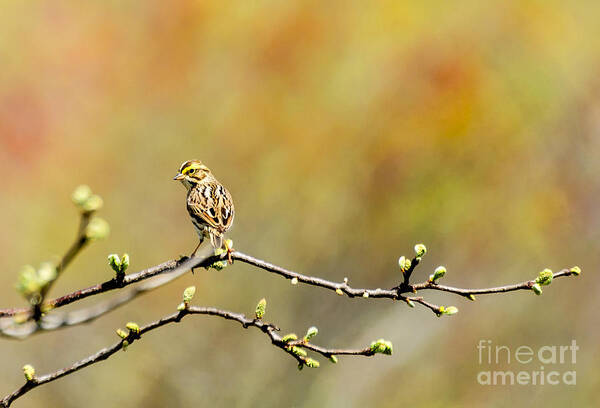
[312, 280]
[406, 282]
[526, 285]
[84, 315]
[330, 352]
[434, 308]
[393, 293]
[172, 266]
[105, 353]
[81, 240]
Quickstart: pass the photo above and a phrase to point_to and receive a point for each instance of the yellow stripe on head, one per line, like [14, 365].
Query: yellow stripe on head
[192, 166]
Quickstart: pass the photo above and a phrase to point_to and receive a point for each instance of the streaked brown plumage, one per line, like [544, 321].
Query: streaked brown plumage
[209, 203]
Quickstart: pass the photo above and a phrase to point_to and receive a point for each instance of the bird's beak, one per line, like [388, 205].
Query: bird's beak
[179, 176]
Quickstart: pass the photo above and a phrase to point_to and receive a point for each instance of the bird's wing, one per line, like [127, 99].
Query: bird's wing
[213, 204]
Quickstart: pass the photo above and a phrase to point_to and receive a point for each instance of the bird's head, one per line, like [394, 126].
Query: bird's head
[191, 173]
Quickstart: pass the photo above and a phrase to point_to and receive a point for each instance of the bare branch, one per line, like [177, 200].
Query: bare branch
[50, 322]
[173, 266]
[393, 293]
[526, 285]
[267, 328]
[81, 241]
[184, 264]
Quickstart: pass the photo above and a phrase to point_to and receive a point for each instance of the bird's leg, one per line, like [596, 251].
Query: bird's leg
[196, 250]
[229, 251]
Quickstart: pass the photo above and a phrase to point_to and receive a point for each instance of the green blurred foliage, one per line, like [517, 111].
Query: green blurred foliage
[347, 132]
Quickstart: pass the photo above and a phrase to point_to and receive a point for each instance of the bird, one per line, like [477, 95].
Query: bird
[209, 204]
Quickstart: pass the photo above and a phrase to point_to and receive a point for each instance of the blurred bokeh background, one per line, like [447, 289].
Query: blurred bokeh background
[347, 132]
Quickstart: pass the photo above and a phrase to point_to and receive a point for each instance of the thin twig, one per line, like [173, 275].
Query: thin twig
[81, 240]
[526, 285]
[393, 293]
[269, 329]
[84, 315]
[173, 266]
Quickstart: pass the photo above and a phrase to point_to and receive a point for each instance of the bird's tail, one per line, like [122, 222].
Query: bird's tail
[216, 239]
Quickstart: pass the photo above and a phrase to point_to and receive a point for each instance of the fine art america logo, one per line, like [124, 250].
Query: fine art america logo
[530, 364]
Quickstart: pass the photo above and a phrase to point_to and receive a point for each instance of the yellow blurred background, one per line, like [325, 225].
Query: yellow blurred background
[346, 132]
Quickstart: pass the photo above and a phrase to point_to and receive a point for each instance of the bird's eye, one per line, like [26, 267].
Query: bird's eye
[192, 171]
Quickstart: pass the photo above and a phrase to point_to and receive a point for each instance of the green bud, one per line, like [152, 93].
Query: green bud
[339, 292]
[28, 283]
[124, 263]
[122, 333]
[46, 273]
[365, 294]
[537, 289]
[115, 262]
[310, 333]
[545, 277]
[125, 345]
[119, 265]
[220, 265]
[81, 195]
[439, 272]
[220, 251]
[333, 359]
[46, 308]
[29, 372]
[382, 346]
[188, 294]
[261, 308]
[93, 203]
[294, 281]
[312, 363]
[389, 348]
[576, 270]
[181, 306]
[289, 337]
[298, 351]
[471, 297]
[133, 327]
[228, 244]
[450, 310]
[410, 302]
[31, 281]
[404, 263]
[420, 250]
[98, 228]
[21, 318]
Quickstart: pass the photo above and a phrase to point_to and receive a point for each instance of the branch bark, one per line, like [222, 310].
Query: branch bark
[289, 347]
[178, 267]
[84, 315]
